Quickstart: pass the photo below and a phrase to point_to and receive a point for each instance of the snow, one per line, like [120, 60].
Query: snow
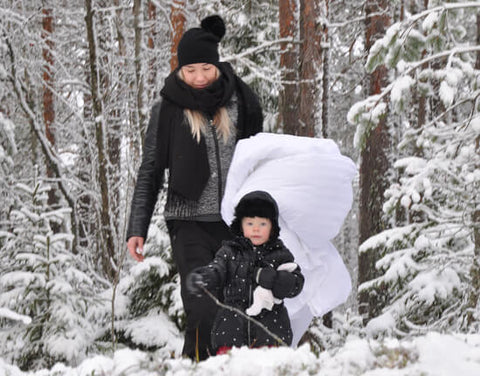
[447, 93]
[432, 354]
[365, 114]
[412, 165]
[69, 156]
[401, 90]
[429, 285]
[150, 262]
[384, 42]
[383, 323]
[451, 78]
[475, 124]
[154, 330]
[405, 201]
[429, 21]
[8, 314]
[402, 266]
[7, 127]
[22, 279]
[386, 238]
[449, 355]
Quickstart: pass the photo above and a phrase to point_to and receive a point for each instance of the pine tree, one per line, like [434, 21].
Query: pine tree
[43, 280]
[425, 272]
[374, 163]
[152, 290]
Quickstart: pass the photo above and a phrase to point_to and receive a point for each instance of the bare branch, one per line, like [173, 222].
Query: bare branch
[245, 316]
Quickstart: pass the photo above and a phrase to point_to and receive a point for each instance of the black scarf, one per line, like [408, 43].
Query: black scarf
[207, 100]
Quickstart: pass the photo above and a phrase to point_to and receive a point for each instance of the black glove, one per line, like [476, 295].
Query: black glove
[286, 284]
[265, 277]
[195, 283]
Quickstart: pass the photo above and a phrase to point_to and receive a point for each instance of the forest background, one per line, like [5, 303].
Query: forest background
[394, 83]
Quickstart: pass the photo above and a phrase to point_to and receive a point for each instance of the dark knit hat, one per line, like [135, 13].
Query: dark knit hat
[200, 44]
[256, 204]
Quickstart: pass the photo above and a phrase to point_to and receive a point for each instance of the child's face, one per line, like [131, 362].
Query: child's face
[257, 229]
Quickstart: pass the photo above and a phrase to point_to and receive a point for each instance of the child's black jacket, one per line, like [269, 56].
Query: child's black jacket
[233, 269]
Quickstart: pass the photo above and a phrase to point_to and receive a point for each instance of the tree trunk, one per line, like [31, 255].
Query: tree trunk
[137, 7]
[48, 83]
[25, 101]
[122, 45]
[151, 15]
[106, 240]
[422, 101]
[310, 61]
[177, 19]
[477, 61]
[288, 119]
[373, 168]
[326, 74]
[475, 269]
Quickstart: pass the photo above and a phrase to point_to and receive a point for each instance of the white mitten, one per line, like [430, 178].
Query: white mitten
[262, 298]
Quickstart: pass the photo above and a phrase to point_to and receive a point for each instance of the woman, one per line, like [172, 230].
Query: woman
[204, 110]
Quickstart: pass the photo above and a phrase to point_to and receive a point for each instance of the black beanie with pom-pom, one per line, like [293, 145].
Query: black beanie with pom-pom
[200, 44]
[256, 204]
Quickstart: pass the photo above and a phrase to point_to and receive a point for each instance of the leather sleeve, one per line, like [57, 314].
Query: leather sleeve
[149, 179]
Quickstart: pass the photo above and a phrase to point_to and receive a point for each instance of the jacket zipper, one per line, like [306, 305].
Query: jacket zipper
[250, 299]
[248, 321]
[217, 155]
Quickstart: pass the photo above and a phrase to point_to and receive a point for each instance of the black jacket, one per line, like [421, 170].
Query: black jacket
[170, 145]
[233, 270]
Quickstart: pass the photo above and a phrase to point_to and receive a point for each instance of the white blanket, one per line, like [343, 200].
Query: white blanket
[312, 184]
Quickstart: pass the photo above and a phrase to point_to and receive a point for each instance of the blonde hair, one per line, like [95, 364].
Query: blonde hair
[198, 122]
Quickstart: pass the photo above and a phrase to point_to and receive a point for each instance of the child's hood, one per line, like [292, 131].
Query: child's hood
[256, 204]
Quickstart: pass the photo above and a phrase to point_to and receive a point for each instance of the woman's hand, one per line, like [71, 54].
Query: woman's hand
[135, 247]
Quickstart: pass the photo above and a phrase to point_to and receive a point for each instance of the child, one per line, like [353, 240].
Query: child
[242, 264]
[312, 184]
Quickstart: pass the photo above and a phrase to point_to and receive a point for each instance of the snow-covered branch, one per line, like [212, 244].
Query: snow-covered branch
[260, 48]
[9, 314]
[49, 153]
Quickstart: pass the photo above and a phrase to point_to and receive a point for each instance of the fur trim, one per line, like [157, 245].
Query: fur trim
[256, 204]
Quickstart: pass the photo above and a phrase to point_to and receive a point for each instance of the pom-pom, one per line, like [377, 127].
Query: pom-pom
[215, 25]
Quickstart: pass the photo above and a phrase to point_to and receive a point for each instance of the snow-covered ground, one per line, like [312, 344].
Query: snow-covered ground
[432, 354]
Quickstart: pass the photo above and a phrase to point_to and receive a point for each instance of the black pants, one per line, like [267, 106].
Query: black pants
[194, 244]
